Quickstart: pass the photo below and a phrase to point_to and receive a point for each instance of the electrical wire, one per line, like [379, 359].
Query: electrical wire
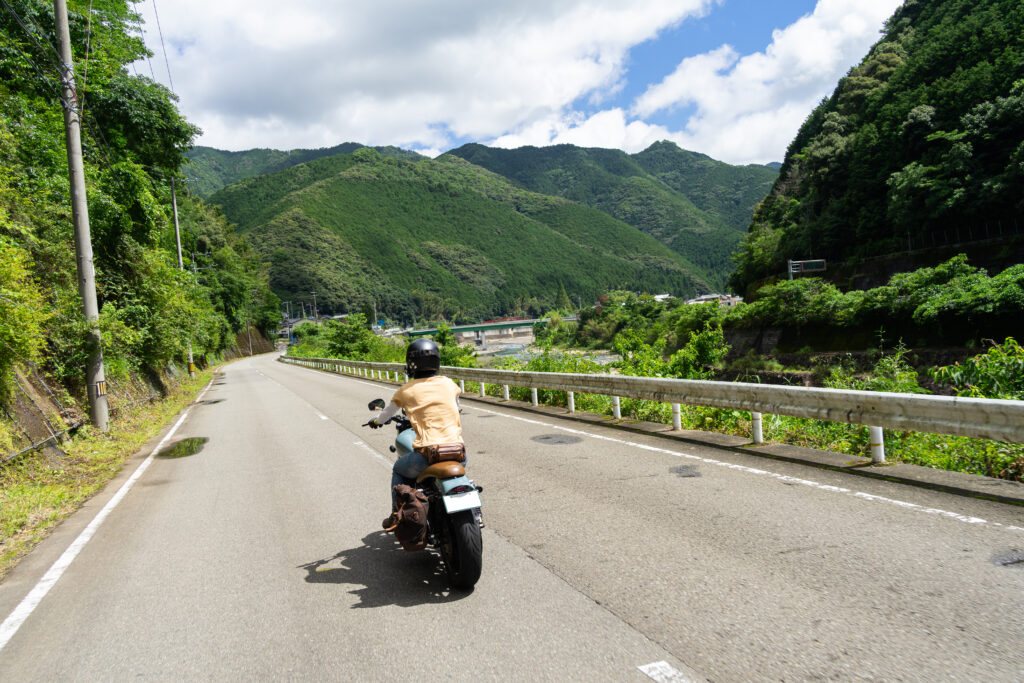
[85, 69]
[142, 32]
[162, 46]
[53, 87]
[46, 81]
[58, 63]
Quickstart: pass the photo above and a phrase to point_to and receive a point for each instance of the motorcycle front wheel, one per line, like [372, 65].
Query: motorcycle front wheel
[462, 551]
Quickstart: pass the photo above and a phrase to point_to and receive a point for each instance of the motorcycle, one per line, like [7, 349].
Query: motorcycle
[453, 511]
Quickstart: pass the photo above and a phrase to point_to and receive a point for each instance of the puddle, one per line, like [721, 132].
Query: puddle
[686, 471]
[556, 439]
[184, 448]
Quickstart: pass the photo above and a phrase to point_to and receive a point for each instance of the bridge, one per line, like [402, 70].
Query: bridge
[478, 332]
[482, 327]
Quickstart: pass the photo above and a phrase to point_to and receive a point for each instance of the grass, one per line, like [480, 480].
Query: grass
[39, 490]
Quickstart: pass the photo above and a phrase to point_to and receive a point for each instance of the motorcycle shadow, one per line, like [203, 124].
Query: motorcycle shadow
[388, 574]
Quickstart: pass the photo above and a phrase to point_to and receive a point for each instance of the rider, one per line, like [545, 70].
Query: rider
[431, 402]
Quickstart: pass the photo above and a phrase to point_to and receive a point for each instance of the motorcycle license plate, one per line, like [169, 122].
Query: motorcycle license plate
[461, 501]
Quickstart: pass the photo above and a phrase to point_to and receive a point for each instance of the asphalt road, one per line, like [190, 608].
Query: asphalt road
[250, 548]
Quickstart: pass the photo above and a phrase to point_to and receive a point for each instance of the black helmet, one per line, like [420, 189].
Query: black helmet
[422, 358]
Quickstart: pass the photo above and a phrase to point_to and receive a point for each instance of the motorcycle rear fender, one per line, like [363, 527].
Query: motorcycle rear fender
[446, 486]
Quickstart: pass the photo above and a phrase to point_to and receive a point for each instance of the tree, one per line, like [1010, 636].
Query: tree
[562, 302]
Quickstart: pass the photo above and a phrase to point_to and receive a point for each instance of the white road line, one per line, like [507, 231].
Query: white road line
[311, 406]
[28, 605]
[375, 454]
[743, 468]
[663, 672]
[751, 470]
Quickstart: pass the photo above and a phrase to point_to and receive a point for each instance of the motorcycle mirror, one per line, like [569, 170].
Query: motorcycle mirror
[376, 404]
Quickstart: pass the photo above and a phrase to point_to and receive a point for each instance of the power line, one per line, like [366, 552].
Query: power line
[88, 38]
[56, 91]
[163, 46]
[142, 32]
[55, 59]
[100, 144]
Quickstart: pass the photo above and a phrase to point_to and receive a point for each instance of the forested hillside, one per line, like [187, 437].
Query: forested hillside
[209, 169]
[439, 238]
[695, 205]
[134, 143]
[921, 145]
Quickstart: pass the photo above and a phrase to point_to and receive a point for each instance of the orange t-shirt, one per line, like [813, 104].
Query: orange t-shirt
[430, 405]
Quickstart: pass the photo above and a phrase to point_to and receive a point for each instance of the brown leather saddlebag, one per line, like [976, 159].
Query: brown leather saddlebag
[443, 452]
[409, 520]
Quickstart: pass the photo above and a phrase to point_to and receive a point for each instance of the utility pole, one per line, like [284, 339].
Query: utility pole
[314, 305]
[95, 380]
[181, 266]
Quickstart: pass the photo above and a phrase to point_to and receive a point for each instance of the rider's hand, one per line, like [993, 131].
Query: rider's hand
[373, 424]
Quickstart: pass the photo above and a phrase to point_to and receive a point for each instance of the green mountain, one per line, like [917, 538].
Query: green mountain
[431, 238]
[918, 152]
[695, 205]
[211, 169]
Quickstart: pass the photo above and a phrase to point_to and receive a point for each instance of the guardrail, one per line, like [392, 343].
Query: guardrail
[982, 418]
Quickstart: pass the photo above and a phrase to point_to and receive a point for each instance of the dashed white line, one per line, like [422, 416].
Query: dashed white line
[375, 454]
[663, 672]
[967, 519]
[753, 470]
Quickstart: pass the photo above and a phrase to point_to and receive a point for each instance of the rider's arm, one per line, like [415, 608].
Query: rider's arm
[389, 412]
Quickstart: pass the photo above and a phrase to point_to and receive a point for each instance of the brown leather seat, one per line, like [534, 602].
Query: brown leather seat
[442, 470]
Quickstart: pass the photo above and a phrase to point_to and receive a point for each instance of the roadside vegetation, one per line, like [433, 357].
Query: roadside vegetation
[664, 339]
[152, 312]
[134, 142]
[920, 145]
[951, 304]
[41, 488]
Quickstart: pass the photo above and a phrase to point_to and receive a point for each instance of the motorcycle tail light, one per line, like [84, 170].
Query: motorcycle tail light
[460, 489]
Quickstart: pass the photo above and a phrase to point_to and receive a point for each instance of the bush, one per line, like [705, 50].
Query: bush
[22, 310]
[999, 373]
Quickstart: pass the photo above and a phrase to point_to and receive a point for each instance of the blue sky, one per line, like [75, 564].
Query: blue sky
[733, 79]
[747, 26]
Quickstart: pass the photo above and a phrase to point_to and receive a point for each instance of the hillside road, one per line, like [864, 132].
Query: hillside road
[250, 548]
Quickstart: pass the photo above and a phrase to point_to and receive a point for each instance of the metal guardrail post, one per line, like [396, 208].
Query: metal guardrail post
[877, 440]
[462, 385]
[505, 392]
[533, 396]
[755, 427]
[483, 389]
[616, 407]
[572, 401]
[677, 418]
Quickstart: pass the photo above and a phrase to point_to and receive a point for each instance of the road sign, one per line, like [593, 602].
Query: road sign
[809, 266]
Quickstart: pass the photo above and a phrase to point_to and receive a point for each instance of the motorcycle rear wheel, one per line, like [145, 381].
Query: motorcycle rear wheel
[463, 553]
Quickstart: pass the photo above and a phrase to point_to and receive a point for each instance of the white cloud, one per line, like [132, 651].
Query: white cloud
[749, 108]
[608, 128]
[404, 72]
[315, 73]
